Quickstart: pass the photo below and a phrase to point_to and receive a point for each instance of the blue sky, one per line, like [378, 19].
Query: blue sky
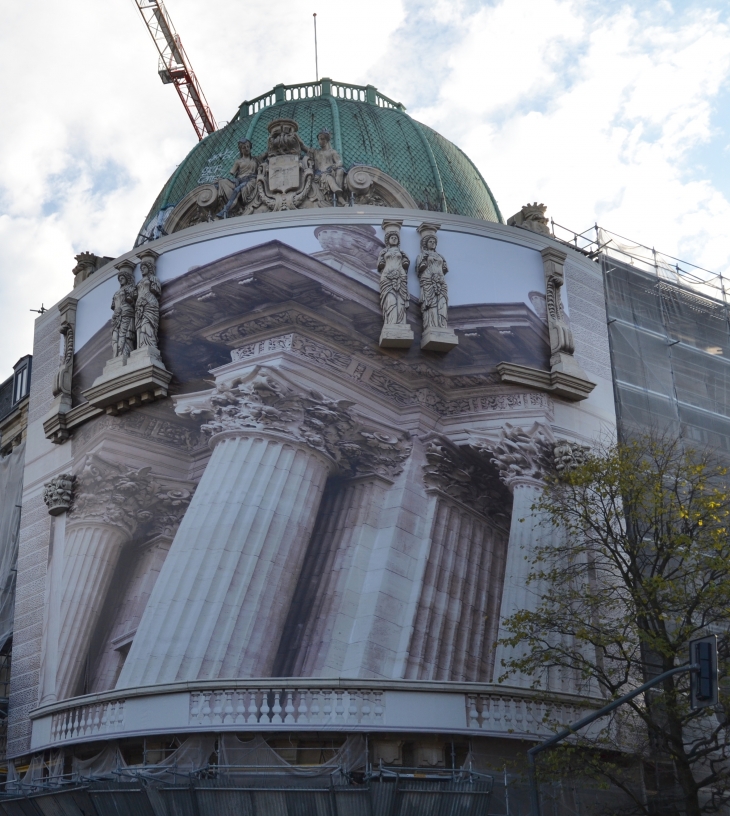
[608, 112]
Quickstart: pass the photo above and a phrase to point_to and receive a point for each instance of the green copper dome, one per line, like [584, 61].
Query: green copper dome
[367, 129]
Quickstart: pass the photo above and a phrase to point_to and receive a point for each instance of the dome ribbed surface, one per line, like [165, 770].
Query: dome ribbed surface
[438, 175]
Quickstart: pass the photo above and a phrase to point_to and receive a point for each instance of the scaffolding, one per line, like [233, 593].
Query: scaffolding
[669, 336]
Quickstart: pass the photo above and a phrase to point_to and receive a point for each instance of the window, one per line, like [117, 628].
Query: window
[21, 379]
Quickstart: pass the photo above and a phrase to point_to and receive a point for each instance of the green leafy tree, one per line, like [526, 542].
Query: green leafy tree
[641, 568]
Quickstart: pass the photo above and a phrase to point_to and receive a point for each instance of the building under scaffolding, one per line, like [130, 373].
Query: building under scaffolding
[267, 546]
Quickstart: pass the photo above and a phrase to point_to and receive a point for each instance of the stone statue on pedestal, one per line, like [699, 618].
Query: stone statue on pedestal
[123, 303]
[431, 269]
[147, 309]
[393, 266]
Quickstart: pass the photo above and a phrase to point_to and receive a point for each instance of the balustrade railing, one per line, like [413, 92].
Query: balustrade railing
[368, 94]
[344, 705]
[90, 720]
[265, 706]
[511, 713]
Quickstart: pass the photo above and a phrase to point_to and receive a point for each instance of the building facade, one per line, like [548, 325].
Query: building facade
[277, 484]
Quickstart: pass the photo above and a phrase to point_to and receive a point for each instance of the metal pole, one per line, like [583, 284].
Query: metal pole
[316, 58]
[571, 729]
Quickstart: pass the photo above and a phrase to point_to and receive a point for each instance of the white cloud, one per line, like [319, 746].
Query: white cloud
[597, 117]
[597, 113]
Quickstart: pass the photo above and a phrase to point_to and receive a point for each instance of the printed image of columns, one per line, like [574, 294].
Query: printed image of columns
[220, 603]
[112, 500]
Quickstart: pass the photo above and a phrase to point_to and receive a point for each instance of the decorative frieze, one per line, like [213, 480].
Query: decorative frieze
[58, 493]
[432, 269]
[376, 377]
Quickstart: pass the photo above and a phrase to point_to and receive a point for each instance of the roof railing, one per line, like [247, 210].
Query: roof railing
[368, 94]
[596, 241]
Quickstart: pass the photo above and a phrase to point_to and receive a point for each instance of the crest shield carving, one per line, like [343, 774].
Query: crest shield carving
[283, 173]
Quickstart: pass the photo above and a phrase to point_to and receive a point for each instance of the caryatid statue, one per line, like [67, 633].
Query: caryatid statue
[245, 171]
[431, 269]
[328, 170]
[123, 303]
[147, 309]
[393, 266]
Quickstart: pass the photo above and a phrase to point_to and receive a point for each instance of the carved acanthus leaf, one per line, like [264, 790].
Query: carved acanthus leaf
[170, 507]
[569, 455]
[519, 455]
[126, 497]
[58, 493]
[454, 473]
[327, 425]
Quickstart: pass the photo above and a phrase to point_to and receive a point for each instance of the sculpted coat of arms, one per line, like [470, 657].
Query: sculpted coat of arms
[287, 176]
[290, 175]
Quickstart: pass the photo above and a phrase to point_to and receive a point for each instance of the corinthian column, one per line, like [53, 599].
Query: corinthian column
[521, 457]
[220, 603]
[111, 502]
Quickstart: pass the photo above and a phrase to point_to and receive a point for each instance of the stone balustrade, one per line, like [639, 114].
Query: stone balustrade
[93, 720]
[264, 707]
[303, 704]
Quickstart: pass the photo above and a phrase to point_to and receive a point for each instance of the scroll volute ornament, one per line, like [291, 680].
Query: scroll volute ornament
[55, 425]
[62, 378]
[561, 337]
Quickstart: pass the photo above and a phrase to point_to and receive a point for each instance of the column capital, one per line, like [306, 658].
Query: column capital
[125, 497]
[450, 471]
[521, 456]
[58, 493]
[265, 401]
[568, 455]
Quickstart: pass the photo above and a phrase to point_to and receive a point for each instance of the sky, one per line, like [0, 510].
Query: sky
[609, 113]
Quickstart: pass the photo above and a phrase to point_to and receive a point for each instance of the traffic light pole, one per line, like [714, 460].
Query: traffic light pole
[596, 715]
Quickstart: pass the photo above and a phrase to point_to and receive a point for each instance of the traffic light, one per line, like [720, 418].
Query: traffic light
[703, 679]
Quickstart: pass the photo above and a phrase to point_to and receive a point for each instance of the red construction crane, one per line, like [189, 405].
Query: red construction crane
[174, 66]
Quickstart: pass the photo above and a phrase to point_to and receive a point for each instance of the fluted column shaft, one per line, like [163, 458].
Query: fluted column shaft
[454, 628]
[322, 614]
[516, 593]
[52, 613]
[219, 604]
[91, 552]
